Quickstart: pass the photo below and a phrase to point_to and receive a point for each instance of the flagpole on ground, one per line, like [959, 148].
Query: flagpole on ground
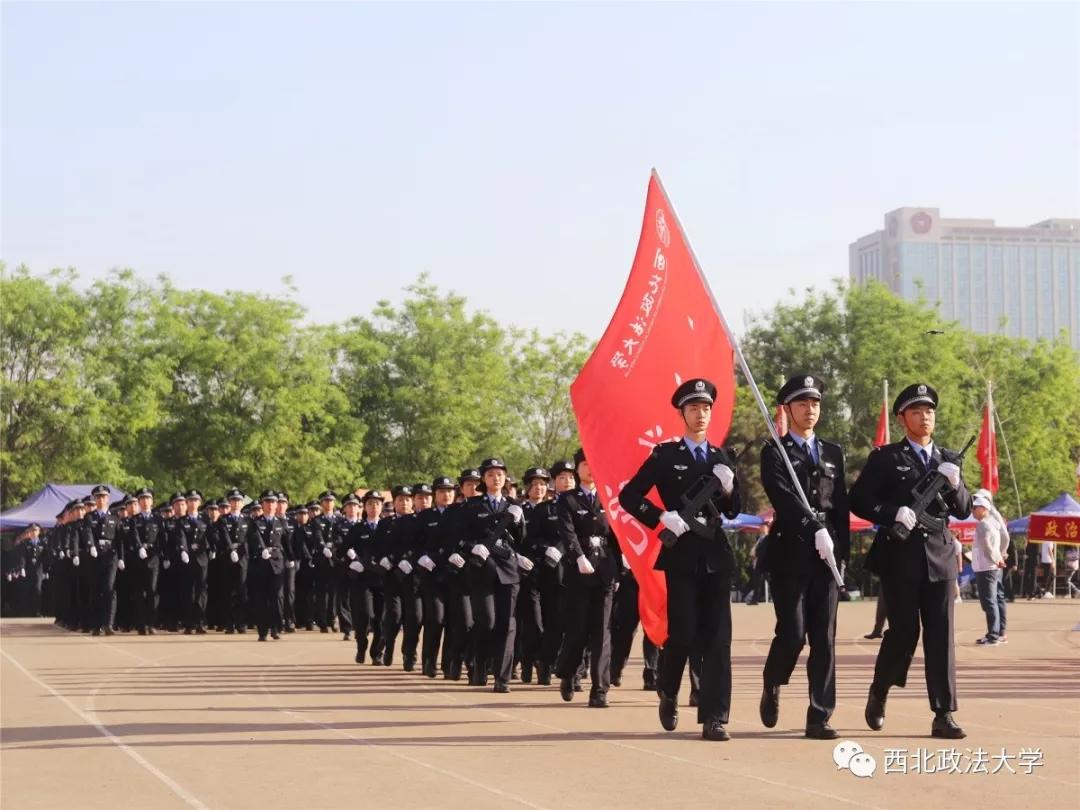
[885, 406]
[1005, 442]
[746, 372]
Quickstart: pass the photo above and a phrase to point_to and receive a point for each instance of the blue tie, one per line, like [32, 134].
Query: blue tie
[925, 459]
[699, 454]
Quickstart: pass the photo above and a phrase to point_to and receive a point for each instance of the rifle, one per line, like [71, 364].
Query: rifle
[494, 534]
[927, 492]
[698, 498]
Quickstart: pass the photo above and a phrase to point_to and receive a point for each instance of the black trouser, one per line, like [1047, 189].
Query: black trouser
[60, 587]
[125, 601]
[85, 586]
[588, 615]
[624, 625]
[362, 609]
[879, 611]
[341, 598]
[103, 596]
[459, 625]
[146, 594]
[305, 594]
[196, 578]
[805, 606]
[434, 595]
[402, 608]
[170, 587]
[494, 627]
[325, 605]
[530, 620]
[236, 586]
[699, 620]
[288, 591]
[907, 604]
[266, 590]
[1027, 581]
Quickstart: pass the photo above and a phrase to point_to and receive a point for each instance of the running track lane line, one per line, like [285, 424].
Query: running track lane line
[188, 798]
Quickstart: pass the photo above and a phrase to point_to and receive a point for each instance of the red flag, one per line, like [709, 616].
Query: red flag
[665, 330]
[987, 453]
[882, 436]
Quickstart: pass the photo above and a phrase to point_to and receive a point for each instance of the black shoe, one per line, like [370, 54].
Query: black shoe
[142, 631]
[200, 631]
[230, 631]
[359, 657]
[598, 700]
[149, 631]
[95, 632]
[290, 629]
[693, 699]
[309, 627]
[324, 629]
[274, 635]
[347, 636]
[409, 664]
[543, 675]
[944, 726]
[769, 707]
[566, 689]
[429, 670]
[241, 630]
[714, 730]
[616, 680]
[262, 637]
[649, 684]
[109, 631]
[387, 659]
[188, 631]
[526, 674]
[501, 688]
[873, 634]
[875, 711]
[577, 685]
[821, 731]
[669, 712]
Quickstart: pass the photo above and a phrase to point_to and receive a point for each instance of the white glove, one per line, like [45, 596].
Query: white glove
[234, 556]
[142, 552]
[93, 552]
[553, 554]
[385, 563]
[405, 567]
[456, 560]
[357, 566]
[906, 518]
[75, 560]
[44, 576]
[951, 473]
[674, 523]
[480, 550]
[525, 564]
[426, 562]
[726, 476]
[326, 552]
[823, 543]
[265, 554]
[213, 555]
[166, 565]
[625, 562]
[120, 565]
[63, 554]
[351, 554]
[595, 541]
[289, 563]
[515, 512]
[184, 558]
[584, 566]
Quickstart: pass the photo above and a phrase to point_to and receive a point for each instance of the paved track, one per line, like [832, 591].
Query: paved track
[226, 722]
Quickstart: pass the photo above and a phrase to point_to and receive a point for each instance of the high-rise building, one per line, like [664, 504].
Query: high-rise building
[1021, 282]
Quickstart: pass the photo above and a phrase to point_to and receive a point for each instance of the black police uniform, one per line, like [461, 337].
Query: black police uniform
[326, 601]
[232, 537]
[267, 535]
[195, 573]
[625, 618]
[98, 532]
[432, 540]
[541, 591]
[587, 598]
[305, 535]
[917, 574]
[359, 537]
[803, 588]
[146, 539]
[458, 643]
[698, 572]
[494, 586]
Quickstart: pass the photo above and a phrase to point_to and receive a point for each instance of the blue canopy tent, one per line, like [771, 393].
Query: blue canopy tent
[1062, 505]
[43, 506]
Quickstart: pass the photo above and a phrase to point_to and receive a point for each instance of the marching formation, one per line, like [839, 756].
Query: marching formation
[467, 579]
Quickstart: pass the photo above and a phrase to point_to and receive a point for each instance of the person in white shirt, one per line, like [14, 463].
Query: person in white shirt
[987, 562]
[1048, 563]
[1004, 590]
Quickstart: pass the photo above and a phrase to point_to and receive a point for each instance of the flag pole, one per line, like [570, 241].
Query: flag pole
[831, 562]
[996, 417]
[885, 407]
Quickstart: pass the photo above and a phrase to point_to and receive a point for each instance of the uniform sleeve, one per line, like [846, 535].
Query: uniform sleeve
[868, 501]
[781, 492]
[633, 498]
[564, 508]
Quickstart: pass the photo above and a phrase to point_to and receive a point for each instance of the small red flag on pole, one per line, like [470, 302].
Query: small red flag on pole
[665, 329]
[987, 452]
[882, 436]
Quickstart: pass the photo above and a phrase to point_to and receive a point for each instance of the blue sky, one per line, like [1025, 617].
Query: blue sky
[505, 148]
